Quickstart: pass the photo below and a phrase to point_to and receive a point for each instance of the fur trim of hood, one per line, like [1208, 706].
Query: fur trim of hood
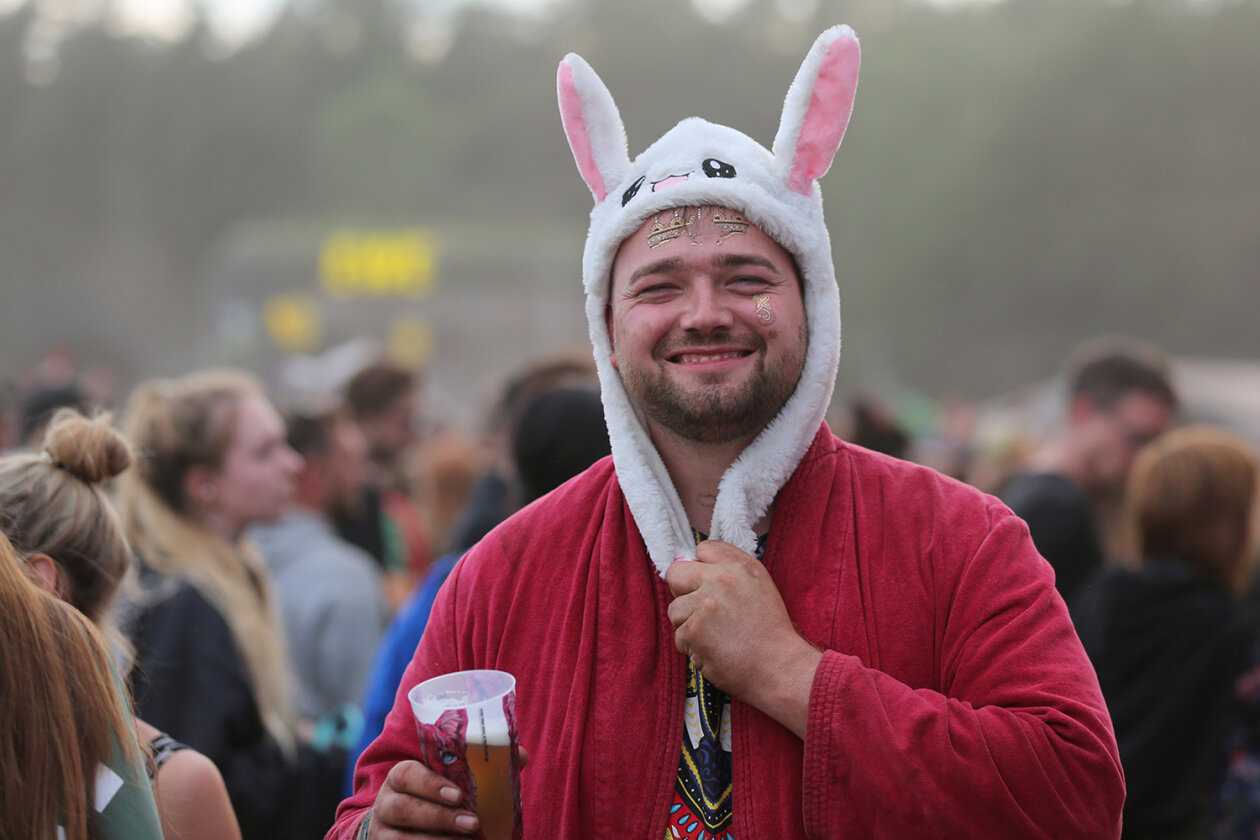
[701, 163]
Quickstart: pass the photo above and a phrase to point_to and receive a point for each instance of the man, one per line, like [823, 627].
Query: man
[329, 590]
[383, 399]
[895, 665]
[1119, 399]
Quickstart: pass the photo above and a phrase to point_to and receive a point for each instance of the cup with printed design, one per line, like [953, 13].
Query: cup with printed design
[467, 727]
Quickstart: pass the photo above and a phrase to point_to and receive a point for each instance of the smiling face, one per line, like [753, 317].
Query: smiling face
[707, 324]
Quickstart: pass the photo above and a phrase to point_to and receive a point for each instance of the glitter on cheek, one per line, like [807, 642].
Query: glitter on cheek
[765, 314]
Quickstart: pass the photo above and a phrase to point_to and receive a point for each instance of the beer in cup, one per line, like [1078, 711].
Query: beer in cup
[467, 727]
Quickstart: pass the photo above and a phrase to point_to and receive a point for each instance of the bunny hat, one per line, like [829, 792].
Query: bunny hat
[698, 163]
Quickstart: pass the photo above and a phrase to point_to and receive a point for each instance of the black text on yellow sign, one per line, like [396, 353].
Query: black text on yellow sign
[377, 263]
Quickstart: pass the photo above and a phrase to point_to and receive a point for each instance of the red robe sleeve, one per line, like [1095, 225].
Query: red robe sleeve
[1017, 743]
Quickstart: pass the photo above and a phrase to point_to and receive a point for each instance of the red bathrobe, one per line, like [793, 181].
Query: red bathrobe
[953, 699]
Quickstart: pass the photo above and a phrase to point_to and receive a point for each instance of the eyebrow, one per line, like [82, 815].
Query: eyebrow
[732, 260]
[662, 266]
[671, 264]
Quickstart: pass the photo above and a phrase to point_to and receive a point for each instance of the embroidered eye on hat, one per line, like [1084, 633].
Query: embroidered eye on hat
[698, 163]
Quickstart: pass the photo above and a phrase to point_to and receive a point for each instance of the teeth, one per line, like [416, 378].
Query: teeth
[693, 358]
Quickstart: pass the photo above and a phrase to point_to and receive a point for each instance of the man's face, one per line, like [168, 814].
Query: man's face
[392, 430]
[345, 466]
[708, 327]
[1118, 433]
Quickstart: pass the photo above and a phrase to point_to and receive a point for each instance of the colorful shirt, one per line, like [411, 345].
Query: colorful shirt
[701, 809]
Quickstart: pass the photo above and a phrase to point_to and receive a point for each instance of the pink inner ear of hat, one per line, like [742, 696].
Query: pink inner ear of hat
[827, 117]
[579, 136]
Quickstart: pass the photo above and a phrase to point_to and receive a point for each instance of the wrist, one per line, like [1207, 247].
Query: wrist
[784, 692]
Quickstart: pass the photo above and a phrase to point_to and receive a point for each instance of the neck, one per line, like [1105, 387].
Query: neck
[223, 527]
[1058, 455]
[696, 470]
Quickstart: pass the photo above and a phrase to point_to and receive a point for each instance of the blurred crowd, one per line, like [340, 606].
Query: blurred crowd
[260, 573]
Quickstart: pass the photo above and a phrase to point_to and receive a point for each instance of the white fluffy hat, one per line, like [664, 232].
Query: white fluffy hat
[699, 163]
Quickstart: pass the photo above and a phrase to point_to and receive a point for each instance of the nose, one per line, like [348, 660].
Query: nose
[705, 309]
[295, 462]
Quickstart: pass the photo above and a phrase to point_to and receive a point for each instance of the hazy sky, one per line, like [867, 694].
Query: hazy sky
[237, 19]
[233, 19]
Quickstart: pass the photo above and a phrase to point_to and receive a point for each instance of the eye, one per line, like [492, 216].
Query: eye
[633, 191]
[656, 290]
[715, 168]
[449, 757]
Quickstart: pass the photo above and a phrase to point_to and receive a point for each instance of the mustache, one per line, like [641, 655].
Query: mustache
[673, 345]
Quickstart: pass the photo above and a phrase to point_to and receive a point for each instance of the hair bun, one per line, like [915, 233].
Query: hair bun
[90, 449]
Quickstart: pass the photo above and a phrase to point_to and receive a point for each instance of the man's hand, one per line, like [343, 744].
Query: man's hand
[731, 621]
[416, 802]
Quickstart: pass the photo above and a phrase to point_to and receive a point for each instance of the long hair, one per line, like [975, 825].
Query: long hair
[61, 714]
[53, 502]
[1191, 497]
[175, 426]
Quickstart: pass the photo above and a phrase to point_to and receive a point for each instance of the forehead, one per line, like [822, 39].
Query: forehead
[1143, 408]
[700, 232]
[256, 419]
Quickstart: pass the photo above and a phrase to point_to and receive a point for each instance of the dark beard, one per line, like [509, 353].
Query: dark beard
[712, 414]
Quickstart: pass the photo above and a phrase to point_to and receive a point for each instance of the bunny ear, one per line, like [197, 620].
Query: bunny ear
[817, 108]
[593, 126]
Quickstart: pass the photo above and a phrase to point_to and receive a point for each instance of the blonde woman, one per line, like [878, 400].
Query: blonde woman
[211, 667]
[69, 763]
[56, 515]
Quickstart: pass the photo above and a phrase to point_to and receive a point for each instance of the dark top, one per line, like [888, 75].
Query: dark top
[189, 681]
[1168, 647]
[1062, 523]
[362, 527]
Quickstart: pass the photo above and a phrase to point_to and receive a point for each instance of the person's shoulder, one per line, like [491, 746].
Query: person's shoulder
[170, 611]
[577, 500]
[908, 482]
[562, 524]
[193, 799]
[1047, 490]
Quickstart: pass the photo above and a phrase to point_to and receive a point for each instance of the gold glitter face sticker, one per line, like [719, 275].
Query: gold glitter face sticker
[765, 314]
[730, 223]
[659, 234]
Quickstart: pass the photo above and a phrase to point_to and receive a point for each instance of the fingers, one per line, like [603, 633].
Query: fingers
[416, 799]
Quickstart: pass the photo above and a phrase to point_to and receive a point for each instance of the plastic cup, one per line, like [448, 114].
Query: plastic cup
[467, 727]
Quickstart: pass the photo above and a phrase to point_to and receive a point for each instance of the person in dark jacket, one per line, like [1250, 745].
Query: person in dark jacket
[1170, 638]
[211, 668]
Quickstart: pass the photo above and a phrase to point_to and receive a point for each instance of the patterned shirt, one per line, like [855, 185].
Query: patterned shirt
[702, 796]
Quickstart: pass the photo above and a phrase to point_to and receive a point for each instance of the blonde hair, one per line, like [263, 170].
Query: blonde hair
[53, 502]
[1191, 497]
[174, 426]
[62, 713]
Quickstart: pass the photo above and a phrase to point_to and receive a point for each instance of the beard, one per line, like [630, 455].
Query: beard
[714, 412]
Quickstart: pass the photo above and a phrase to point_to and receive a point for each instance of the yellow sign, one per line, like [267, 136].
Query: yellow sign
[355, 263]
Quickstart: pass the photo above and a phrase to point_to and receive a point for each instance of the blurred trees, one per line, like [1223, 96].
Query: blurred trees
[1017, 177]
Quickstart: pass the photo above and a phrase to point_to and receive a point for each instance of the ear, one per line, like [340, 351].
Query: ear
[817, 108]
[608, 325]
[199, 486]
[593, 126]
[1081, 407]
[47, 573]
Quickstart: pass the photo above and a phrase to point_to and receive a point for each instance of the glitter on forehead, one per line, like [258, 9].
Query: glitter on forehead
[728, 222]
